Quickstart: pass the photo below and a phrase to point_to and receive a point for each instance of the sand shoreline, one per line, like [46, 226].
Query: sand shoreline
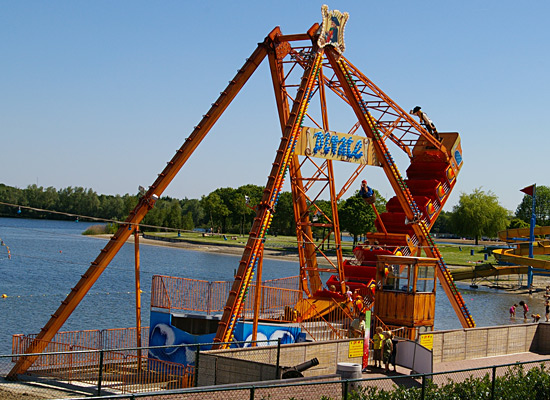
[268, 253]
[237, 250]
[209, 247]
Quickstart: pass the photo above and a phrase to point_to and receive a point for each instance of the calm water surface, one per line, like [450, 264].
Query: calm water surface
[48, 258]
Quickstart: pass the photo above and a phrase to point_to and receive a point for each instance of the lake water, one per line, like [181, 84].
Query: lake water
[48, 258]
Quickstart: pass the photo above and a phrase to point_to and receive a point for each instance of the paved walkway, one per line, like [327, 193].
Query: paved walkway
[489, 361]
[21, 390]
[463, 364]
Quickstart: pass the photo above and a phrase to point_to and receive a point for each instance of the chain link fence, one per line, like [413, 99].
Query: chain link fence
[120, 374]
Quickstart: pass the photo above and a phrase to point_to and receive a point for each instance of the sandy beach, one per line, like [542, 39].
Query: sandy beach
[540, 282]
[209, 247]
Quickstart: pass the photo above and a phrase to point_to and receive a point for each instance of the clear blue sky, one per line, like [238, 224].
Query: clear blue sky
[101, 94]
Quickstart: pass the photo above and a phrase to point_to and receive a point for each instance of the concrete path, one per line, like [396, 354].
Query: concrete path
[463, 364]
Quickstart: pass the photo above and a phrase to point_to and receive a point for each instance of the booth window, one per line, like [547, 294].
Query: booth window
[425, 280]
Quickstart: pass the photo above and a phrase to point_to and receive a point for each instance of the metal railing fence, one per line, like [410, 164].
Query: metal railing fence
[124, 370]
[329, 326]
[84, 340]
[527, 380]
[175, 293]
[120, 374]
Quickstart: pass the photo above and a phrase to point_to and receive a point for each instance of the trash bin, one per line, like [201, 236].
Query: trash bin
[349, 371]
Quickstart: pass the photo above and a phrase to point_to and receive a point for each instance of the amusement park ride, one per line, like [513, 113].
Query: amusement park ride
[305, 68]
[514, 258]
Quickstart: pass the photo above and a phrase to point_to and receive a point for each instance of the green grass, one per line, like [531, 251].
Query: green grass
[454, 256]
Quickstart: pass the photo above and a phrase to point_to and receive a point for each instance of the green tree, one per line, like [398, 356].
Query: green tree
[443, 223]
[67, 200]
[194, 207]
[130, 202]
[187, 222]
[239, 209]
[173, 215]
[283, 221]
[89, 202]
[357, 217]
[226, 213]
[111, 207]
[154, 217]
[216, 209]
[478, 214]
[516, 223]
[542, 208]
[322, 217]
[34, 196]
[246, 212]
[10, 195]
[37, 197]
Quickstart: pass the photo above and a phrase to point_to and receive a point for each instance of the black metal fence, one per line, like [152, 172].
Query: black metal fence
[508, 381]
[115, 374]
[125, 370]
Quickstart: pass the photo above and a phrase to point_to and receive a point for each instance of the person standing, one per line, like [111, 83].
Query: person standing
[427, 122]
[393, 355]
[358, 304]
[377, 340]
[387, 349]
[357, 328]
[348, 295]
[513, 311]
[525, 308]
[547, 308]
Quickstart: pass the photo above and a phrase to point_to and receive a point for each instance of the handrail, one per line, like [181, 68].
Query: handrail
[318, 315]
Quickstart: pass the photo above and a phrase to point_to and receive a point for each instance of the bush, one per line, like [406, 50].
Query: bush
[516, 384]
[101, 229]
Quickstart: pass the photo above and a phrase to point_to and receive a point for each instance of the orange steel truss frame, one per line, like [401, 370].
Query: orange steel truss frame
[378, 117]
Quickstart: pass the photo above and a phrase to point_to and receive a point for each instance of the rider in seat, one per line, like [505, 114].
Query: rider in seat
[367, 193]
[427, 122]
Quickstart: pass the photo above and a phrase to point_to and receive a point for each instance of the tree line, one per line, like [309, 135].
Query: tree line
[226, 210]
[230, 210]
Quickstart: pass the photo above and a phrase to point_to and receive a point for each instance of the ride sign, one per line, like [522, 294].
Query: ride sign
[336, 146]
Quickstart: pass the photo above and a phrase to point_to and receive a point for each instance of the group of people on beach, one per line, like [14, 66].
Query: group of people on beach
[525, 308]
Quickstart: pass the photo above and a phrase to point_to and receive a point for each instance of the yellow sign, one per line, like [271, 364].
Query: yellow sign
[336, 146]
[355, 348]
[427, 340]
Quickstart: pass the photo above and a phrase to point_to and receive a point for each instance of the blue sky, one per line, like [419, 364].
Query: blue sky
[101, 94]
